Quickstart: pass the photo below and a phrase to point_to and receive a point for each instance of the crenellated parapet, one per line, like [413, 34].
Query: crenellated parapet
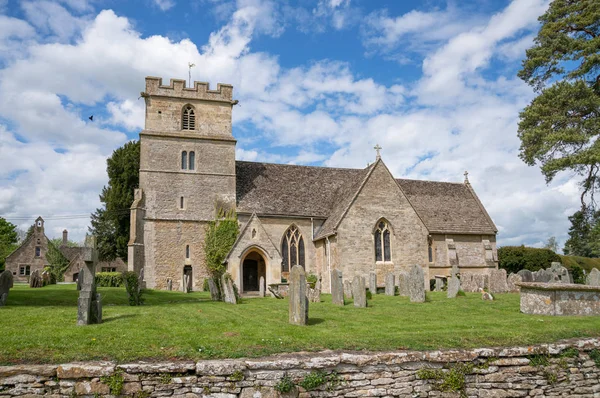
[177, 88]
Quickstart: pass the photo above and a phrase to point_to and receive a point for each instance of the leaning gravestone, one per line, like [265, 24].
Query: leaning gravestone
[526, 275]
[214, 290]
[498, 281]
[512, 280]
[337, 287]
[416, 285]
[593, 278]
[347, 289]
[403, 285]
[298, 305]
[453, 286]
[89, 304]
[359, 291]
[373, 283]
[390, 285]
[261, 286]
[6, 282]
[228, 290]
[35, 280]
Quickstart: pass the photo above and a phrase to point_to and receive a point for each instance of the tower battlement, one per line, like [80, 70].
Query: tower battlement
[178, 89]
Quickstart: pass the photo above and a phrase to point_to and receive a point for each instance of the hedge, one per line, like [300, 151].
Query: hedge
[109, 279]
[584, 262]
[516, 258]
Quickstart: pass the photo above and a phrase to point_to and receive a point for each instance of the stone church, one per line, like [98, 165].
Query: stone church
[355, 220]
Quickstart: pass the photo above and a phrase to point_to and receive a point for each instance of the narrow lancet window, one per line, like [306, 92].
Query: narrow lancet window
[187, 252]
[183, 160]
[192, 160]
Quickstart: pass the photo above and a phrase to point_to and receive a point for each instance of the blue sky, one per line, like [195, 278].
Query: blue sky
[319, 82]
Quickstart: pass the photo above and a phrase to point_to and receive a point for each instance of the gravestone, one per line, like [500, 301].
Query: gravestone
[359, 291]
[467, 283]
[89, 304]
[560, 273]
[416, 284]
[228, 290]
[480, 281]
[169, 284]
[526, 275]
[261, 286]
[314, 294]
[543, 275]
[373, 283]
[6, 282]
[454, 271]
[511, 280]
[347, 289]
[498, 281]
[390, 285]
[298, 305]
[403, 285]
[337, 287]
[35, 280]
[593, 278]
[439, 283]
[453, 286]
[214, 290]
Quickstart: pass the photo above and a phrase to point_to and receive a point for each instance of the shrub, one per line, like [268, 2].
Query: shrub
[134, 290]
[578, 275]
[516, 258]
[369, 295]
[311, 279]
[285, 385]
[109, 279]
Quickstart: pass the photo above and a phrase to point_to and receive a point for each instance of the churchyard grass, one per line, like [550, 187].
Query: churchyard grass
[39, 326]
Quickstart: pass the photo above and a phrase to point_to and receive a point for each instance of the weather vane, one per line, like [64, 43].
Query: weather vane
[190, 66]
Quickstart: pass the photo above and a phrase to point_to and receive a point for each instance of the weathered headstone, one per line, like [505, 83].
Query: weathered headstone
[314, 294]
[454, 271]
[560, 273]
[347, 289]
[228, 290]
[337, 287]
[298, 305]
[403, 285]
[261, 286]
[480, 281]
[359, 291]
[89, 305]
[467, 283]
[498, 281]
[593, 278]
[214, 290]
[373, 283]
[453, 286]
[35, 280]
[526, 275]
[416, 284]
[169, 284]
[439, 283]
[543, 276]
[390, 285]
[6, 282]
[511, 280]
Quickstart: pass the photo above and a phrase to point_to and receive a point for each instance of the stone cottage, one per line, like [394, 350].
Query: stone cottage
[355, 220]
[31, 256]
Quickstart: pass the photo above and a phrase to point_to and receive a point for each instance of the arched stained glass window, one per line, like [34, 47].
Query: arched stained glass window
[188, 119]
[383, 251]
[292, 249]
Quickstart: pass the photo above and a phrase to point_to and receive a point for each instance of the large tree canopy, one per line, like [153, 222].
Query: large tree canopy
[111, 223]
[560, 128]
[8, 240]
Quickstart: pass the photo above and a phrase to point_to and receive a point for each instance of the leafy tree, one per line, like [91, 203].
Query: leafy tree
[559, 129]
[516, 258]
[8, 240]
[219, 239]
[58, 262]
[110, 224]
[583, 234]
[552, 244]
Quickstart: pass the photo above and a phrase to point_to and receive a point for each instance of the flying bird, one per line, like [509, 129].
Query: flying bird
[91, 118]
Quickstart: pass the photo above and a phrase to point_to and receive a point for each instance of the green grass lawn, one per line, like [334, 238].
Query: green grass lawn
[39, 326]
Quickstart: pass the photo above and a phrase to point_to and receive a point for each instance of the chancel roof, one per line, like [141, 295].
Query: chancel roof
[326, 193]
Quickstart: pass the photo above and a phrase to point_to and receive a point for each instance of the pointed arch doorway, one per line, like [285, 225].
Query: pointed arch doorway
[253, 267]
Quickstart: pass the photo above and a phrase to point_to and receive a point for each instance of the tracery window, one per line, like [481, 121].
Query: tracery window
[292, 249]
[382, 242]
[188, 119]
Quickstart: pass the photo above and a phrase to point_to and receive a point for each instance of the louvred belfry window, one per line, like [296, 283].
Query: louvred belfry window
[383, 250]
[292, 249]
[188, 120]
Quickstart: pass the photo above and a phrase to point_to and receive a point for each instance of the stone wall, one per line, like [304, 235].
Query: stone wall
[570, 368]
[26, 254]
[470, 252]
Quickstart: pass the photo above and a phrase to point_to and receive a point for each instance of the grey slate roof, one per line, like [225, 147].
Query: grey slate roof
[323, 192]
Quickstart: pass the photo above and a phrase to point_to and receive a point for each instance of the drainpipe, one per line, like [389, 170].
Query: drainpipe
[328, 260]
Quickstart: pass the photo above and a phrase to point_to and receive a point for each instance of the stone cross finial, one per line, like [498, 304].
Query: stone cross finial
[378, 148]
[466, 177]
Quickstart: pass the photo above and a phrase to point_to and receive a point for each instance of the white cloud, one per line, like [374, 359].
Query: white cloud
[164, 5]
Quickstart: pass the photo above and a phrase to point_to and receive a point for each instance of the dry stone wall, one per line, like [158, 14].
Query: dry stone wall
[570, 368]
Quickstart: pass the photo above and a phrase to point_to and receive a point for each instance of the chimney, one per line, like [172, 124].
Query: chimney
[65, 237]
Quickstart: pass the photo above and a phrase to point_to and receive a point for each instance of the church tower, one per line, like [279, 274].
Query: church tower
[187, 170]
